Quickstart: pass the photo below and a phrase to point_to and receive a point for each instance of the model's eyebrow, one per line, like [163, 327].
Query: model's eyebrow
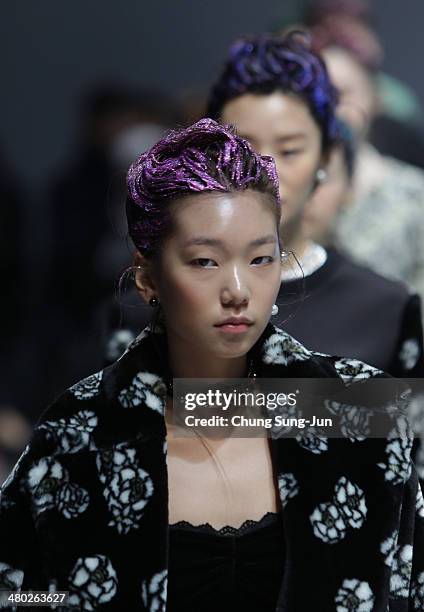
[270, 239]
[203, 241]
[294, 136]
[214, 242]
[278, 139]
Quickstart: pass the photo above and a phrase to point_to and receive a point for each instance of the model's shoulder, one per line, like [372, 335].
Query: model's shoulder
[374, 285]
[82, 395]
[97, 388]
[401, 169]
[85, 416]
[280, 348]
[67, 424]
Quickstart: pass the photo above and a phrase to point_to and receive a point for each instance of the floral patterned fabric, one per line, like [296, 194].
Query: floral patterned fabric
[384, 227]
[86, 508]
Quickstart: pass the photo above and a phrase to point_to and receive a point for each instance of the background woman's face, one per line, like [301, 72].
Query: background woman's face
[328, 199]
[358, 99]
[221, 260]
[282, 126]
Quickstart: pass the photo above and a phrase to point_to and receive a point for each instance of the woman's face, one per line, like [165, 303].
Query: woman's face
[282, 126]
[358, 99]
[221, 261]
[327, 200]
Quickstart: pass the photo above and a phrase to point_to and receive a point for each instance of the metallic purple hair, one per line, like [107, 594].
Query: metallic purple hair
[264, 64]
[204, 157]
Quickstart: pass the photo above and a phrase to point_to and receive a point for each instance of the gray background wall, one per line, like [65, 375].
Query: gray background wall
[51, 50]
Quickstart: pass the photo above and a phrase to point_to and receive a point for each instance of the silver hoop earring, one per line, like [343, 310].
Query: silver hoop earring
[321, 176]
[274, 310]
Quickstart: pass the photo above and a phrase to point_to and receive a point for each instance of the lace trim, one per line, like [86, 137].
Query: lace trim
[270, 518]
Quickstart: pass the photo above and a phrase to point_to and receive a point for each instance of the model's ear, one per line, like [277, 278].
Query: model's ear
[321, 171]
[144, 278]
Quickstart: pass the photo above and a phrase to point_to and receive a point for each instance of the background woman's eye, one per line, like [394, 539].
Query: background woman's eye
[264, 259]
[203, 262]
[290, 152]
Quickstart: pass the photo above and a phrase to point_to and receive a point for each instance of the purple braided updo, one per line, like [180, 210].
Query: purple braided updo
[266, 63]
[204, 157]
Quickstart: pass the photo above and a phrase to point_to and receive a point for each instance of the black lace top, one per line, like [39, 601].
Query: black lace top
[226, 569]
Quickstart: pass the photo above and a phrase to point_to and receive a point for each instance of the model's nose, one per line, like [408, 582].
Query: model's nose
[235, 289]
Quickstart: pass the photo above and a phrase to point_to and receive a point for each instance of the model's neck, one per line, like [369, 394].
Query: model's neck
[187, 362]
[292, 237]
[298, 245]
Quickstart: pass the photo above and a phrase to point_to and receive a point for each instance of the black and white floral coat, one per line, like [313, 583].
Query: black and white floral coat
[86, 507]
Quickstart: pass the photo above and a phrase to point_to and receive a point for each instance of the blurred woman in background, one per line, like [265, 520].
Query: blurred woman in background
[278, 95]
[333, 194]
[384, 227]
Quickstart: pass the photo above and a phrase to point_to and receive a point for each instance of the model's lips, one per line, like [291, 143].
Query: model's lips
[234, 325]
[235, 321]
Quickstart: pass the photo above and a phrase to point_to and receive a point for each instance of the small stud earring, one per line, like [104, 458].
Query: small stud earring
[154, 302]
[321, 176]
[274, 310]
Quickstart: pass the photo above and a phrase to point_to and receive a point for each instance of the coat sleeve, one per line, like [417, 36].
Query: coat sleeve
[22, 552]
[21, 564]
[408, 362]
[408, 556]
[39, 483]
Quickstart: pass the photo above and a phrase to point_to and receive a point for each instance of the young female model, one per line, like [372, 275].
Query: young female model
[106, 501]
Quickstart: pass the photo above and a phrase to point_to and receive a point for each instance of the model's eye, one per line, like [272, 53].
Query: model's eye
[260, 261]
[203, 262]
[290, 152]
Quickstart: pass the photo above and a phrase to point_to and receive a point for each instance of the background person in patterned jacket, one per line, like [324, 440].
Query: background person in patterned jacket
[384, 226]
